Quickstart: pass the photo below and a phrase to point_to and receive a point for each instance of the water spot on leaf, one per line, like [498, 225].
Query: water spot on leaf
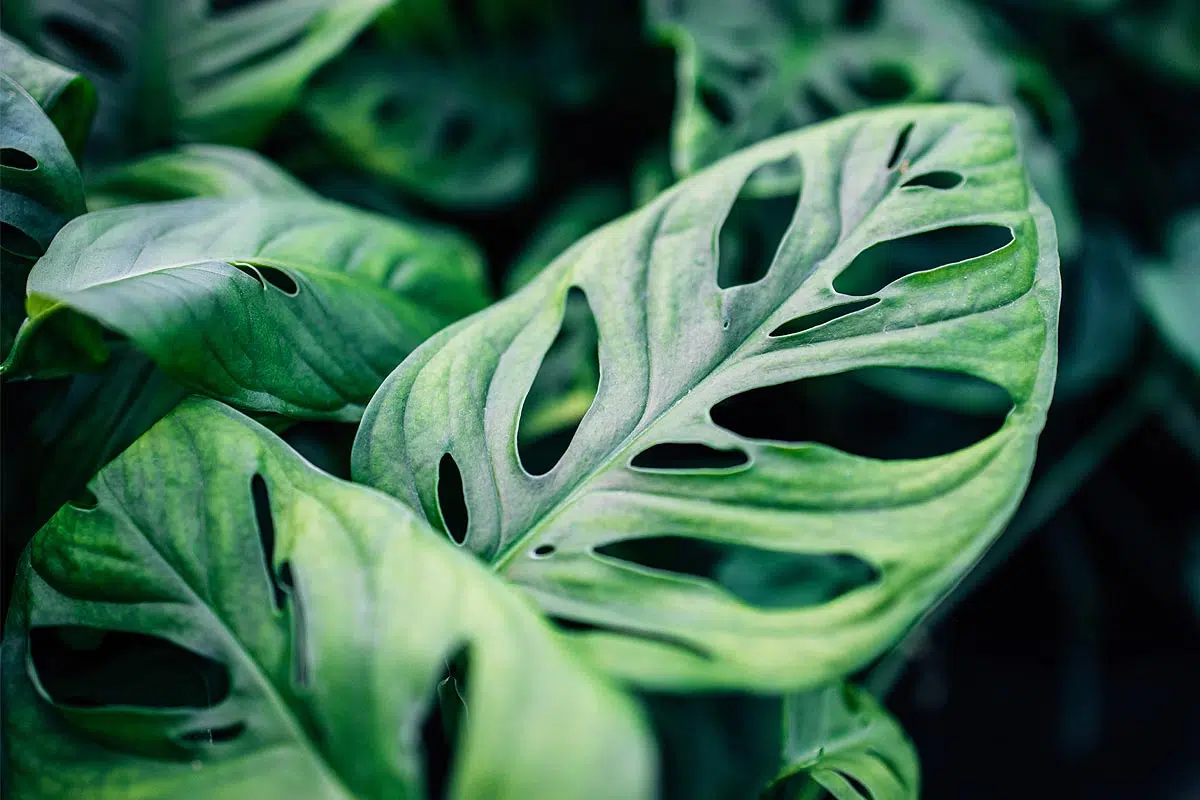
[901, 143]
[716, 103]
[87, 667]
[266, 536]
[882, 83]
[563, 389]
[17, 159]
[18, 242]
[688, 456]
[848, 412]
[73, 37]
[452, 499]
[939, 179]
[580, 627]
[756, 576]
[809, 321]
[887, 262]
[220, 735]
[756, 224]
[444, 723]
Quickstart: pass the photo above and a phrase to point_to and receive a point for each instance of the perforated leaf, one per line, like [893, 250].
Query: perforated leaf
[760, 69]
[197, 170]
[291, 633]
[841, 741]
[695, 554]
[294, 306]
[190, 69]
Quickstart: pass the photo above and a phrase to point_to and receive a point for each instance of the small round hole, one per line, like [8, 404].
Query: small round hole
[543, 551]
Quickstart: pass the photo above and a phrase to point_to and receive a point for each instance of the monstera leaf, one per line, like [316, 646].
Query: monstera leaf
[197, 170]
[700, 528]
[290, 634]
[841, 741]
[773, 66]
[1171, 292]
[190, 69]
[40, 190]
[67, 97]
[293, 306]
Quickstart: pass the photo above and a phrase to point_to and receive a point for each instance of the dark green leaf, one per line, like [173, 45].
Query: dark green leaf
[68, 98]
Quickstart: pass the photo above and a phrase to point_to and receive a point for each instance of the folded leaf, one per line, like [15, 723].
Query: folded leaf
[288, 632]
[745, 551]
[197, 170]
[293, 306]
[841, 741]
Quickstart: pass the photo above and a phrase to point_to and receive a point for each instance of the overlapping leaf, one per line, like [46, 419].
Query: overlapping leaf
[753, 561]
[292, 631]
[1171, 292]
[68, 98]
[293, 306]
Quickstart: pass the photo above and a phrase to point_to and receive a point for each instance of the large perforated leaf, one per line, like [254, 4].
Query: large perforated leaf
[747, 551]
[228, 621]
[767, 67]
[288, 305]
[190, 69]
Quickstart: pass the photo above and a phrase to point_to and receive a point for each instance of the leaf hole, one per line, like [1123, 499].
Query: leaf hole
[301, 652]
[716, 103]
[220, 735]
[266, 536]
[864, 412]
[86, 667]
[563, 389]
[85, 501]
[456, 132]
[856, 785]
[543, 551]
[71, 36]
[817, 318]
[280, 280]
[217, 8]
[390, 110]
[756, 224]
[688, 456]
[444, 722]
[939, 179]
[452, 500]
[859, 14]
[579, 627]
[18, 242]
[249, 269]
[769, 579]
[882, 83]
[1039, 111]
[901, 143]
[887, 262]
[817, 104]
[17, 159]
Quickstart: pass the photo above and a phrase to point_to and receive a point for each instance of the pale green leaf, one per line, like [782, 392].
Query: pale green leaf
[322, 616]
[811, 560]
[293, 306]
[1171, 292]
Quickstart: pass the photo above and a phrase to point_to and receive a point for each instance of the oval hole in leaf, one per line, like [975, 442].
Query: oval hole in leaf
[17, 159]
[86, 667]
[939, 179]
[818, 318]
[847, 412]
[688, 456]
[756, 224]
[747, 73]
[887, 262]
[581, 627]
[280, 280]
[85, 501]
[390, 110]
[452, 499]
[901, 143]
[456, 132]
[301, 657]
[859, 14]
[543, 551]
[248, 269]
[855, 784]
[763, 578]
[1035, 102]
[266, 536]
[218, 7]
[563, 389]
[215, 735]
[19, 243]
[445, 722]
[882, 83]
[716, 103]
[71, 36]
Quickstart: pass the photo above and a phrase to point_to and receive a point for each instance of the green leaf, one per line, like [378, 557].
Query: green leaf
[68, 98]
[197, 170]
[744, 77]
[839, 739]
[292, 306]
[185, 70]
[1171, 292]
[40, 190]
[292, 630]
[683, 570]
